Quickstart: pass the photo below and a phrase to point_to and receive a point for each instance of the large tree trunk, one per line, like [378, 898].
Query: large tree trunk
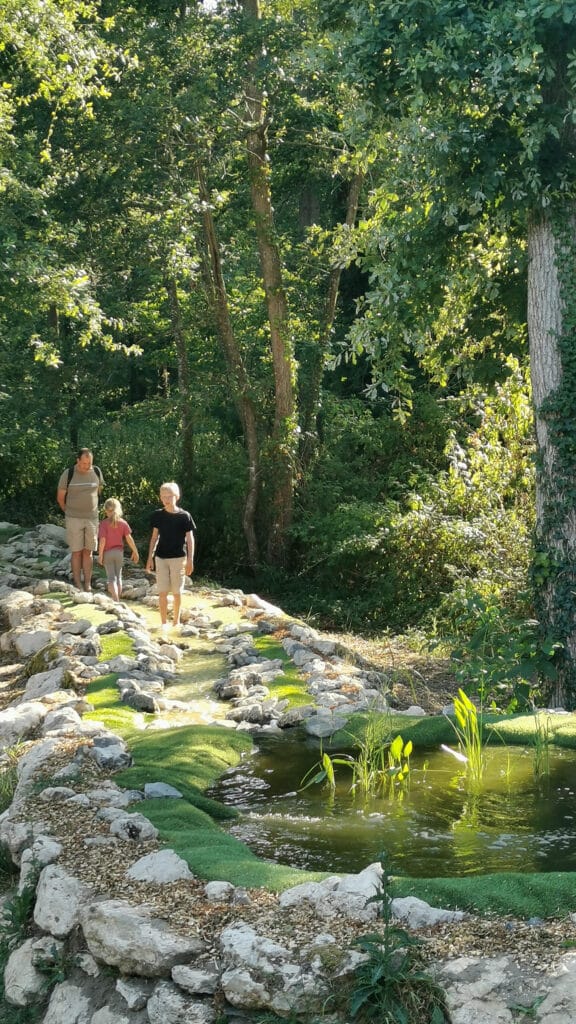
[313, 386]
[184, 397]
[238, 374]
[551, 269]
[284, 437]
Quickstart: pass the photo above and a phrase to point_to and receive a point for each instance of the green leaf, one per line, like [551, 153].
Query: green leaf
[396, 748]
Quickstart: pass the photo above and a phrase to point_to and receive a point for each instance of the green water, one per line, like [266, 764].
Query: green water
[435, 828]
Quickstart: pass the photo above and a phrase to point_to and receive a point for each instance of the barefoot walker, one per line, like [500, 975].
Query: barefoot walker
[172, 547]
[77, 496]
[112, 533]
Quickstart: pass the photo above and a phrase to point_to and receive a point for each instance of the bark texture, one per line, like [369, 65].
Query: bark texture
[552, 261]
[283, 447]
[313, 390]
[184, 397]
[238, 373]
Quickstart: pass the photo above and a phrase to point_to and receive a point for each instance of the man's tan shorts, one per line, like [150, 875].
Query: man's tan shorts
[81, 534]
[170, 575]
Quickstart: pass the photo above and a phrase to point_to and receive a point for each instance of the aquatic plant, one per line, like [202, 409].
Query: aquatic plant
[399, 762]
[370, 765]
[542, 736]
[469, 734]
[380, 763]
[323, 771]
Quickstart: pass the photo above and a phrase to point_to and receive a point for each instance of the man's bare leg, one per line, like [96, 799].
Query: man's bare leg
[163, 606]
[87, 568]
[76, 566]
[176, 608]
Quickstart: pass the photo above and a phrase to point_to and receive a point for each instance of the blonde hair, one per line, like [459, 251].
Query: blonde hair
[172, 487]
[114, 506]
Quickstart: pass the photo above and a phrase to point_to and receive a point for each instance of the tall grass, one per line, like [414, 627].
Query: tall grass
[542, 735]
[9, 774]
[381, 763]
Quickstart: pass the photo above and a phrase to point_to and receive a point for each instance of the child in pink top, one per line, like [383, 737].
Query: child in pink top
[112, 532]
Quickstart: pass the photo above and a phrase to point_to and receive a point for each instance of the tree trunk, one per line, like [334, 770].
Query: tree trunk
[552, 264]
[313, 390]
[235, 363]
[184, 396]
[284, 435]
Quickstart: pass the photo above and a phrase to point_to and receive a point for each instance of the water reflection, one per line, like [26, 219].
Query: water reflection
[437, 829]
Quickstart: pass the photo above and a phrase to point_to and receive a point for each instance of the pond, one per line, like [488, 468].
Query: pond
[433, 828]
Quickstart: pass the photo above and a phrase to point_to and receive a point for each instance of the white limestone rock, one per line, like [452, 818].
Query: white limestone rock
[15, 607]
[68, 1005]
[42, 683]
[60, 898]
[242, 990]
[134, 991]
[197, 980]
[168, 1005]
[32, 641]
[419, 914]
[23, 982]
[162, 867]
[128, 937]
[219, 892]
[44, 850]
[20, 721]
[133, 828]
[242, 946]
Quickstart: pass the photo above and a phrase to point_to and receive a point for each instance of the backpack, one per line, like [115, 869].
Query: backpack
[71, 474]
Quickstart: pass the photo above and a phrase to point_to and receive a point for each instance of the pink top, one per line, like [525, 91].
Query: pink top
[113, 535]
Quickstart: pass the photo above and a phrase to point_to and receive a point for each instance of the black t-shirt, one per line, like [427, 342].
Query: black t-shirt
[172, 529]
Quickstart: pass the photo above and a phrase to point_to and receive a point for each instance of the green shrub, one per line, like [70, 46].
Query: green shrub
[500, 657]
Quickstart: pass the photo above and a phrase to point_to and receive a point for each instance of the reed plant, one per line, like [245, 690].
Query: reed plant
[380, 764]
[469, 734]
[542, 733]
[370, 765]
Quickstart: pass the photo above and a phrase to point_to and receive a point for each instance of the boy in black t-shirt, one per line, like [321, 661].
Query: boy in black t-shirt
[172, 546]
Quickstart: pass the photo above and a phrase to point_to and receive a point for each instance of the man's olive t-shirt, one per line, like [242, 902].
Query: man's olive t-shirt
[81, 494]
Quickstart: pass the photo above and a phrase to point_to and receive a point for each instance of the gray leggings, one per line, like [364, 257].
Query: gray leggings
[113, 560]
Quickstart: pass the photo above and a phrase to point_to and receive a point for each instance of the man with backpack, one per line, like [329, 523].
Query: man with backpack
[77, 495]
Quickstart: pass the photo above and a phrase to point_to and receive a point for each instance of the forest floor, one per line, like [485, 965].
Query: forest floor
[414, 677]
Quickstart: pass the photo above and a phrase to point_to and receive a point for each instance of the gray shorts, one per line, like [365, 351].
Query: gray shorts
[81, 534]
[113, 561]
[170, 575]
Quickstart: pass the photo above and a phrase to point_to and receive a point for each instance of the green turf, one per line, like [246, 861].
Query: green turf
[191, 758]
[522, 729]
[213, 854]
[289, 686]
[194, 754]
[430, 731]
[520, 895]
[108, 708]
[115, 644]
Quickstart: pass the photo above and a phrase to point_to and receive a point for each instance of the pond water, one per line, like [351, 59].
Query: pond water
[434, 828]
